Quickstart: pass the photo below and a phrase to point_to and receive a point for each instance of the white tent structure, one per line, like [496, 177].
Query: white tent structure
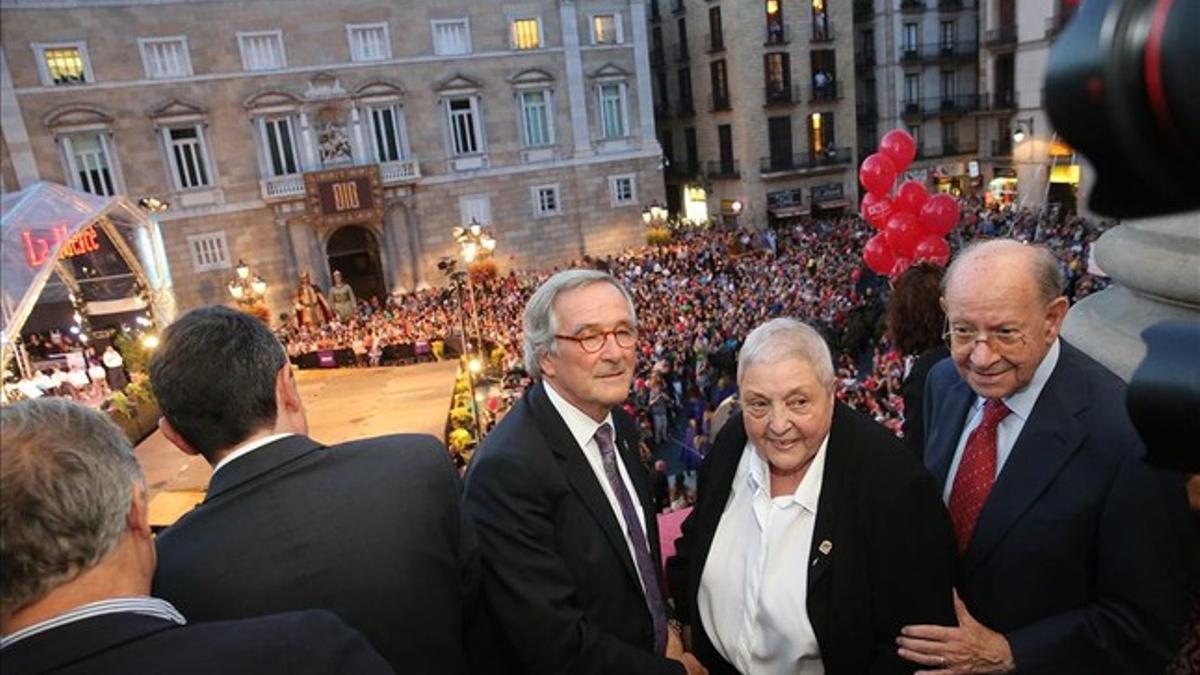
[46, 223]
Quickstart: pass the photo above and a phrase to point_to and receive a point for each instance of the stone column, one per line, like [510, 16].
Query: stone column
[320, 262]
[576, 95]
[641, 52]
[415, 247]
[1155, 266]
[392, 233]
[308, 145]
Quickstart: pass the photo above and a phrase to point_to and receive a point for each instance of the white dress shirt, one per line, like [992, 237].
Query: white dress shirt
[246, 448]
[147, 606]
[583, 428]
[1020, 404]
[754, 588]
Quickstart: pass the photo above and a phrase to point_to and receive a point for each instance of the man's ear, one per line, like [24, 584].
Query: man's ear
[176, 439]
[139, 511]
[1055, 313]
[287, 394]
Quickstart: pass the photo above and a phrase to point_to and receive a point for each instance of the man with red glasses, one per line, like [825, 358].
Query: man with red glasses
[1074, 554]
[563, 507]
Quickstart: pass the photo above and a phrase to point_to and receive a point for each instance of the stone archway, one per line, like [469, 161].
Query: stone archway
[353, 250]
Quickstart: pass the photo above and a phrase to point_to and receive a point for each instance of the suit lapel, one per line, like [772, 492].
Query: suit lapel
[80, 640]
[258, 462]
[1051, 435]
[579, 474]
[824, 542]
[941, 439]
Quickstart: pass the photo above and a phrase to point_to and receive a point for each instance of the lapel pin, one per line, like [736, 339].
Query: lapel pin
[825, 547]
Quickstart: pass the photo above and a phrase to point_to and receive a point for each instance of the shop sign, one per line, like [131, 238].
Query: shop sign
[1004, 172]
[37, 248]
[343, 196]
[783, 198]
[973, 168]
[827, 192]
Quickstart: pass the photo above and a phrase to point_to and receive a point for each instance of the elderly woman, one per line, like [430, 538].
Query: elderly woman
[816, 536]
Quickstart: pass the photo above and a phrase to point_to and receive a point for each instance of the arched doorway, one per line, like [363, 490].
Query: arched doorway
[354, 251]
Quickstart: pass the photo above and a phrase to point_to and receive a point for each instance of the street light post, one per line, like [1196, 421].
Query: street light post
[456, 277]
[476, 243]
[247, 289]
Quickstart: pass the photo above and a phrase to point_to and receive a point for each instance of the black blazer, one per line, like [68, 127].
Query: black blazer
[1081, 553]
[913, 390]
[892, 558]
[314, 642]
[371, 530]
[560, 587]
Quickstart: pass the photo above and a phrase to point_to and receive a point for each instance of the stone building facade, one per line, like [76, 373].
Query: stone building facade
[319, 135]
[755, 102]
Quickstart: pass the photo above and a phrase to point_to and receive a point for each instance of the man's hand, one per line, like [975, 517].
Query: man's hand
[693, 666]
[674, 644]
[970, 647]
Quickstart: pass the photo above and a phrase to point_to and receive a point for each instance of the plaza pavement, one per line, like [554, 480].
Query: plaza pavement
[341, 404]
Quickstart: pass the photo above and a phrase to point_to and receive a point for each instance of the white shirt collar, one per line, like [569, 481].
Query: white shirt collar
[246, 448]
[581, 426]
[145, 605]
[807, 493]
[1021, 402]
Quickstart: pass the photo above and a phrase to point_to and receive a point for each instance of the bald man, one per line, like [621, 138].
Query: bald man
[1073, 553]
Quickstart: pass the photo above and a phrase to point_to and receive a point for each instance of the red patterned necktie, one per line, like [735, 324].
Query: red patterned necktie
[976, 473]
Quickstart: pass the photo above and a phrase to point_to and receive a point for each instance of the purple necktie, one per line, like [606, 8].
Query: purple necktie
[641, 550]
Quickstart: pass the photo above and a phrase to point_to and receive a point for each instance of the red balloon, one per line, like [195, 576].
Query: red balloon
[877, 174]
[911, 196]
[898, 145]
[878, 255]
[876, 208]
[903, 231]
[899, 267]
[934, 249]
[940, 214]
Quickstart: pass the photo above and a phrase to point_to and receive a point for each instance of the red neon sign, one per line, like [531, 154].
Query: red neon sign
[37, 249]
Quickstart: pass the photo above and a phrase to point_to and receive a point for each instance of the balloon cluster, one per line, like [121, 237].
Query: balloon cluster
[912, 225]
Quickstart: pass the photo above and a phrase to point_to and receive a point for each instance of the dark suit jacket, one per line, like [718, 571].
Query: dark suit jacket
[314, 642]
[892, 561]
[1080, 553]
[559, 584]
[371, 530]
[914, 398]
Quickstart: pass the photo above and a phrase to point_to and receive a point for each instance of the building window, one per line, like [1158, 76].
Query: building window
[914, 130]
[535, 118]
[949, 86]
[279, 146]
[949, 137]
[388, 133]
[683, 38]
[613, 123]
[716, 34]
[909, 39]
[546, 200]
[912, 89]
[720, 85]
[606, 29]
[685, 90]
[820, 21]
[63, 64]
[187, 156]
[466, 137]
[451, 37]
[262, 50]
[947, 36]
[475, 209]
[820, 132]
[824, 74]
[526, 33]
[778, 75]
[165, 58]
[209, 251]
[369, 42]
[775, 29]
[622, 190]
[89, 164]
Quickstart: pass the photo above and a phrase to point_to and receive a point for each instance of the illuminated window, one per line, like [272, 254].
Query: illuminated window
[606, 29]
[63, 64]
[526, 33]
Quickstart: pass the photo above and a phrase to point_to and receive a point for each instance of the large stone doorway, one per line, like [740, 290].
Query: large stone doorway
[353, 250]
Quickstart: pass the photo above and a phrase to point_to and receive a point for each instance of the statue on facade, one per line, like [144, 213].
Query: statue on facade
[312, 309]
[334, 144]
[341, 297]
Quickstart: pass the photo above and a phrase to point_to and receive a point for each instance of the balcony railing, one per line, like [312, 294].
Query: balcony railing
[777, 34]
[686, 107]
[782, 94]
[825, 93]
[952, 149]
[998, 101]
[1002, 147]
[910, 55]
[681, 52]
[657, 58]
[864, 59]
[291, 186]
[864, 10]
[724, 169]
[950, 104]
[715, 42]
[866, 110]
[720, 102]
[825, 35]
[808, 161]
[1003, 36]
[912, 5]
[945, 51]
[953, 5]
[910, 107]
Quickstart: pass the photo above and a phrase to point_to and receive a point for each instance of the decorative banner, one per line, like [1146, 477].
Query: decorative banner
[343, 196]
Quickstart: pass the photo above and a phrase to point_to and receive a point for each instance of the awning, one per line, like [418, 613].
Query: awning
[790, 211]
[833, 204]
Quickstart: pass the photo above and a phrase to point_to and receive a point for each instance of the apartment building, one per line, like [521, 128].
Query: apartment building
[917, 63]
[755, 107]
[335, 135]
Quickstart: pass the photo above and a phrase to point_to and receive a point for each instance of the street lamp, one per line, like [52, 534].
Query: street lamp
[246, 288]
[447, 265]
[476, 243]
[1024, 128]
[654, 214]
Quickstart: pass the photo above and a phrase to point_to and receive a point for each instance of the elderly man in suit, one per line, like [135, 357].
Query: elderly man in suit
[1074, 555]
[77, 554]
[816, 536]
[562, 504]
[370, 529]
